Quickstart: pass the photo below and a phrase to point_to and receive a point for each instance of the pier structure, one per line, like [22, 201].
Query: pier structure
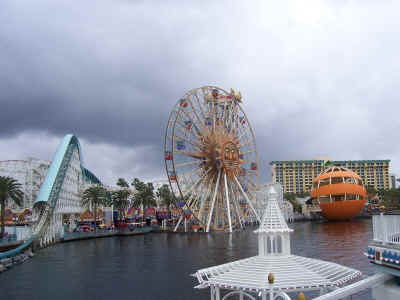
[274, 273]
[384, 253]
[310, 210]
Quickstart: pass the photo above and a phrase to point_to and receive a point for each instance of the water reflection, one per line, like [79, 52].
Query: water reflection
[157, 266]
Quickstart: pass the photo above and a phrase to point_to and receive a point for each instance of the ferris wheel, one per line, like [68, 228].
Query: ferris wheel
[211, 159]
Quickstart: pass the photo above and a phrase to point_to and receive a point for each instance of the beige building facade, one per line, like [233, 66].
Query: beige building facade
[296, 176]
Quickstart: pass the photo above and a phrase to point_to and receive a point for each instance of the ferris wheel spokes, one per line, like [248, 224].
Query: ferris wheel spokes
[247, 199]
[237, 205]
[187, 164]
[199, 104]
[196, 184]
[193, 123]
[186, 140]
[194, 111]
[213, 202]
[206, 199]
[227, 204]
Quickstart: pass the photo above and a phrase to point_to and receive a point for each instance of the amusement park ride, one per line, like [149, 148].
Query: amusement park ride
[211, 159]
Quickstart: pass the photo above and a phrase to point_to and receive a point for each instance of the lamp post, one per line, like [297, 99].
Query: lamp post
[15, 226]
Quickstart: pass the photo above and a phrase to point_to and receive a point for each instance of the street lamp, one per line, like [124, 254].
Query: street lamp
[15, 226]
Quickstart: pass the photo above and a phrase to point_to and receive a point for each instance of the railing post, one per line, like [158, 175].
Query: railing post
[385, 229]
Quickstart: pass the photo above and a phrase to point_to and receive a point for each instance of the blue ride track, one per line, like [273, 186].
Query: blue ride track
[49, 184]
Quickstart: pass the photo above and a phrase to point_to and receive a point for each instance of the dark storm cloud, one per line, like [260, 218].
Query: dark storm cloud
[317, 80]
[107, 77]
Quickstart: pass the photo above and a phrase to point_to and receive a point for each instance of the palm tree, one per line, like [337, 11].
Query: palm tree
[94, 196]
[120, 200]
[166, 197]
[122, 183]
[9, 189]
[144, 194]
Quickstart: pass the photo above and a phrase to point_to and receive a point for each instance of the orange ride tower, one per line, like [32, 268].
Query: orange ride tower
[339, 192]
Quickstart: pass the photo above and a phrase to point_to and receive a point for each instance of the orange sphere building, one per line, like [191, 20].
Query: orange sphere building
[339, 192]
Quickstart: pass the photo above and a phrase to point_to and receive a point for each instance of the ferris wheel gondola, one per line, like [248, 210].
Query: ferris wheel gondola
[211, 158]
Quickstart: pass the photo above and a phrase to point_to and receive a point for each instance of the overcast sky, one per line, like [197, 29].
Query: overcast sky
[318, 78]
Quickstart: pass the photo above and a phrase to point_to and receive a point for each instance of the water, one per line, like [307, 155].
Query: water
[158, 265]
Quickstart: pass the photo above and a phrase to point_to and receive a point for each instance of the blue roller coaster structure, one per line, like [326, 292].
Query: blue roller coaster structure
[48, 197]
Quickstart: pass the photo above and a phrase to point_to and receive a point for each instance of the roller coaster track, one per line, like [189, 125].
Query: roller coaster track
[46, 201]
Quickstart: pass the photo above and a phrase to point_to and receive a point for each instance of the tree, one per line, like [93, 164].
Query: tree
[291, 197]
[391, 198]
[94, 196]
[166, 196]
[144, 195]
[371, 194]
[120, 200]
[303, 194]
[122, 183]
[10, 189]
[371, 190]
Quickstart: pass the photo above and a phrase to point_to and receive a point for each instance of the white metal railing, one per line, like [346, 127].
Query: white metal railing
[386, 228]
[356, 287]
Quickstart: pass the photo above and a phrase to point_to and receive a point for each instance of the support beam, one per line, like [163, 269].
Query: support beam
[236, 204]
[218, 293]
[213, 202]
[247, 199]
[227, 204]
[177, 224]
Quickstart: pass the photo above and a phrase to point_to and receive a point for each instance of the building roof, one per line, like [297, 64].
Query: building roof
[273, 219]
[336, 171]
[292, 273]
[339, 162]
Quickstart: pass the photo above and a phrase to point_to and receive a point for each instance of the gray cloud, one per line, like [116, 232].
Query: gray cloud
[317, 80]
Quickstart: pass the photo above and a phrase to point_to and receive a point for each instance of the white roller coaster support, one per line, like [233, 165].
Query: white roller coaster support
[213, 202]
[247, 199]
[227, 203]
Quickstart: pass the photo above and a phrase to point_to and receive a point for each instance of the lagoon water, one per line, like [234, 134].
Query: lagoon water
[157, 266]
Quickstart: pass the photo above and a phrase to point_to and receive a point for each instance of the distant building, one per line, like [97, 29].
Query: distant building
[30, 173]
[392, 181]
[296, 176]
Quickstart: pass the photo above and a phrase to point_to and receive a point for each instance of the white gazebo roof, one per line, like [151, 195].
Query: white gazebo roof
[273, 219]
[292, 273]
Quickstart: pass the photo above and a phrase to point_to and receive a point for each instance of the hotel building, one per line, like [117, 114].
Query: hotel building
[296, 176]
[30, 173]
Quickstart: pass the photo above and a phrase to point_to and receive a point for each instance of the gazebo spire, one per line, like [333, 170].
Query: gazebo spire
[273, 233]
